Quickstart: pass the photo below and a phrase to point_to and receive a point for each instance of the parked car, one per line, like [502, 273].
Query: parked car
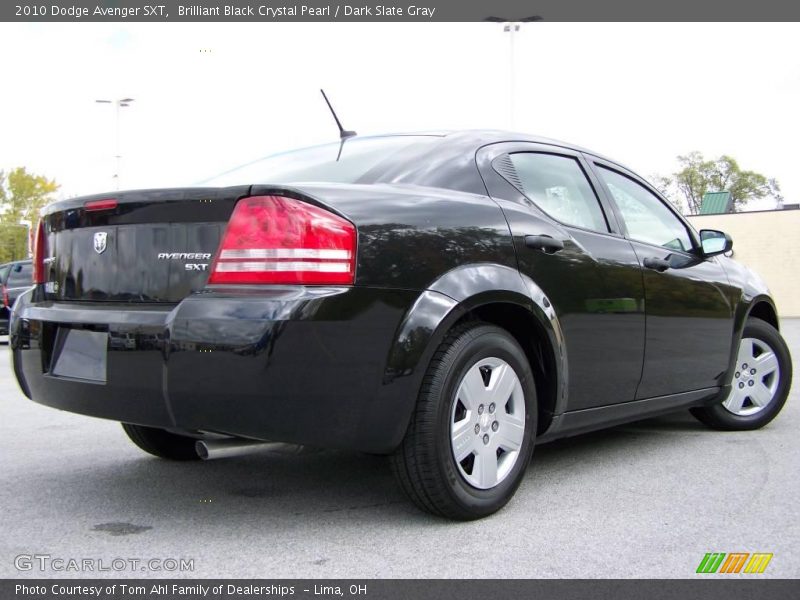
[15, 278]
[449, 300]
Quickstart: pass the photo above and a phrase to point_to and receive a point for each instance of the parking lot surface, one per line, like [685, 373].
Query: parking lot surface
[647, 499]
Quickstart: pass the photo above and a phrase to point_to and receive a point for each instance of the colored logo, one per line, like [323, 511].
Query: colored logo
[734, 562]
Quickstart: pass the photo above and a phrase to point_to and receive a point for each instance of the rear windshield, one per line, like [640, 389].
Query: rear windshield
[359, 162]
[20, 276]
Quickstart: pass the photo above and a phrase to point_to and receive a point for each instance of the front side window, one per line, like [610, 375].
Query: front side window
[21, 275]
[646, 217]
[558, 186]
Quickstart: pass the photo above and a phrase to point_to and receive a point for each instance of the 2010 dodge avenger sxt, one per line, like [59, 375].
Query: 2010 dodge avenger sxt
[447, 299]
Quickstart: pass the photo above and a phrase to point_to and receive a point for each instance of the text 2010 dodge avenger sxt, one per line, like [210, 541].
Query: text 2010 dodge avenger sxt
[447, 299]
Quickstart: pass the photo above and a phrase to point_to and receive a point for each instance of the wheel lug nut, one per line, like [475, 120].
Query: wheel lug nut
[741, 385]
[752, 371]
[485, 438]
[495, 425]
[737, 374]
[491, 407]
[744, 366]
[477, 429]
[751, 383]
[480, 409]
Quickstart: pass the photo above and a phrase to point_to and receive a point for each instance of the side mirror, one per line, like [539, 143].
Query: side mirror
[715, 242]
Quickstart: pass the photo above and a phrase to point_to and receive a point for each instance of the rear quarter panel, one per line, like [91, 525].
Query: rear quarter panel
[444, 246]
[408, 236]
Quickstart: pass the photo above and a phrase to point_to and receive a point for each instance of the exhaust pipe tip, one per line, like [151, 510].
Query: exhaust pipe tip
[211, 449]
[201, 449]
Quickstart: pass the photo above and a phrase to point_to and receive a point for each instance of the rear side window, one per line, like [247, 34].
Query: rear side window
[20, 275]
[4, 273]
[646, 217]
[558, 185]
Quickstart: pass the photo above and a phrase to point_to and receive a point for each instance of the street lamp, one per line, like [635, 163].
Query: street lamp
[28, 225]
[118, 104]
[511, 28]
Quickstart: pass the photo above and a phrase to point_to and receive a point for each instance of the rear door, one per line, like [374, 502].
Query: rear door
[689, 314]
[568, 243]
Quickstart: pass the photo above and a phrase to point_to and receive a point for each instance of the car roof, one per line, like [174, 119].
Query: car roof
[443, 164]
[16, 262]
[482, 137]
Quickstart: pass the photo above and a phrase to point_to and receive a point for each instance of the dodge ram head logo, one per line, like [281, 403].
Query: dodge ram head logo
[100, 239]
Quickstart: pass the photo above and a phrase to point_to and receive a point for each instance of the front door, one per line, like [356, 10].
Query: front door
[687, 298]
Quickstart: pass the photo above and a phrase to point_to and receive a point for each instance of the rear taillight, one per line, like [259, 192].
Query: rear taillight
[39, 254]
[5, 296]
[273, 239]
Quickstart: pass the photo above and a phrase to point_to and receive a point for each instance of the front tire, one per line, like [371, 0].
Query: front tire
[161, 443]
[471, 435]
[761, 382]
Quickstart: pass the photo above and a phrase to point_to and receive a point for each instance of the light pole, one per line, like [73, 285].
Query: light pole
[28, 230]
[512, 28]
[118, 104]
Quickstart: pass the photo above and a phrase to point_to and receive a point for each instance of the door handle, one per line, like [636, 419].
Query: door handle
[657, 264]
[545, 243]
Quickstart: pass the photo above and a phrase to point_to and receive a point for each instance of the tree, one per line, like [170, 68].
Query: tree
[22, 196]
[661, 183]
[698, 176]
[13, 242]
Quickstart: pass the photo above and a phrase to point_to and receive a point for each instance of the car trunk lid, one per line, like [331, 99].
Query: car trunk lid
[137, 246]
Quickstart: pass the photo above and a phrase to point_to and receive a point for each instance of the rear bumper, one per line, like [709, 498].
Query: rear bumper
[295, 364]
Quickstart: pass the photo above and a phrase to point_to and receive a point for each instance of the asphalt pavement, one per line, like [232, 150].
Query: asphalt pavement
[647, 499]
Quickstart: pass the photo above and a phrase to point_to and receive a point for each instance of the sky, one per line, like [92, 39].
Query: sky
[208, 97]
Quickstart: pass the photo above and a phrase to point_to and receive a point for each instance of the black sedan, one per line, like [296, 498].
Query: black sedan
[447, 299]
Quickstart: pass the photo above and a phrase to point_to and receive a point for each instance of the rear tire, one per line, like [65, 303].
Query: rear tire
[471, 435]
[161, 443]
[761, 382]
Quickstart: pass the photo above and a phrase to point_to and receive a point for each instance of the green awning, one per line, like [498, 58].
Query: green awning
[715, 203]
